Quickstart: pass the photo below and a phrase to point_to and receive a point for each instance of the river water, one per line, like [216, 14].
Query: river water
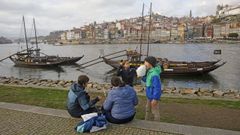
[224, 78]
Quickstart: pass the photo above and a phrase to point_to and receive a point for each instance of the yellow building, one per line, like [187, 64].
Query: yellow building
[181, 32]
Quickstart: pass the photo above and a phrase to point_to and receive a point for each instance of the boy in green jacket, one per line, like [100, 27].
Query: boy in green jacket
[153, 87]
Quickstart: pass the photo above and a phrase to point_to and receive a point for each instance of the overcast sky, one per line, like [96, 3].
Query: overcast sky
[64, 14]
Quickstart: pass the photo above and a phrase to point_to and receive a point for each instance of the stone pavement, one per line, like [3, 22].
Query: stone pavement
[25, 119]
[25, 123]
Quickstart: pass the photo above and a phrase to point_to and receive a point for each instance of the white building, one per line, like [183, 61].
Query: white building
[118, 25]
[77, 35]
[63, 36]
[106, 34]
[217, 31]
[229, 10]
[70, 35]
[160, 34]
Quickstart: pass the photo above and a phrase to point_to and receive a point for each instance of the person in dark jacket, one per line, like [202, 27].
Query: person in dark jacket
[127, 73]
[119, 106]
[78, 99]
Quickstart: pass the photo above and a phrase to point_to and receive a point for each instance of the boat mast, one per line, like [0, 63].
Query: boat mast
[150, 19]
[35, 30]
[36, 40]
[141, 40]
[25, 34]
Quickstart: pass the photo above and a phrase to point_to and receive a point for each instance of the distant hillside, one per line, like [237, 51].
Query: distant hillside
[4, 40]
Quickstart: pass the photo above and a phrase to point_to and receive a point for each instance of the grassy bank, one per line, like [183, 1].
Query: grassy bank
[198, 112]
[54, 98]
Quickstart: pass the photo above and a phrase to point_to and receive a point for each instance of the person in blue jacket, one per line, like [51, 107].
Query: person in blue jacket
[153, 87]
[119, 106]
[78, 99]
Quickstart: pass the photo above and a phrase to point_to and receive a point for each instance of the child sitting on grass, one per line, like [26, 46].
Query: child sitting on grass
[79, 102]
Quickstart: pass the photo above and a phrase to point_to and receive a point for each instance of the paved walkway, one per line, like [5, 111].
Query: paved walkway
[25, 119]
[25, 123]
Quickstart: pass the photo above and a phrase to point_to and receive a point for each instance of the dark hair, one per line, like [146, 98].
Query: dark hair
[151, 60]
[117, 82]
[124, 62]
[83, 79]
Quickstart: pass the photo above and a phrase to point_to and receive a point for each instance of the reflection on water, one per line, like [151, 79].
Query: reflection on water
[225, 77]
[112, 71]
[35, 72]
[103, 76]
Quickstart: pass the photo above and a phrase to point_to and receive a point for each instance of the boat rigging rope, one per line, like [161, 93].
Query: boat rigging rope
[31, 34]
[20, 35]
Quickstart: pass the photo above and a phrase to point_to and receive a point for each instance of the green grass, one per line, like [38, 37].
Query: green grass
[212, 103]
[54, 98]
[34, 96]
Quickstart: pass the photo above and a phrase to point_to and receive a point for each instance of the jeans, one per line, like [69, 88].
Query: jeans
[90, 110]
[111, 119]
[152, 110]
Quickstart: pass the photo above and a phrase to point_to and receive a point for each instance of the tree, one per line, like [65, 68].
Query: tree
[233, 35]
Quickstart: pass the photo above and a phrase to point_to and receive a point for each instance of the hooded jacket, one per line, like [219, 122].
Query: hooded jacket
[153, 83]
[127, 75]
[121, 102]
[78, 100]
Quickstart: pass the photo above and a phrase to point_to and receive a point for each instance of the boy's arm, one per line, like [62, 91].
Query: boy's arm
[156, 84]
[133, 71]
[119, 71]
[93, 102]
[83, 102]
[107, 105]
[144, 78]
[135, 99]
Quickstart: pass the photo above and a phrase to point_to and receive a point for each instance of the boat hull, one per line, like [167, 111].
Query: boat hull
[70, 60]
[197, 69]
[34, 64]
